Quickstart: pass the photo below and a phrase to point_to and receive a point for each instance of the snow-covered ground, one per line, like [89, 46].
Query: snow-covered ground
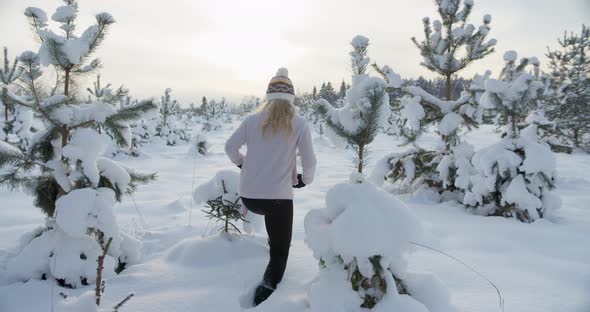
[544, 266]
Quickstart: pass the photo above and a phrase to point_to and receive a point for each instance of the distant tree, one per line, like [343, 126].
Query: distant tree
[167, 126]
[342, 91]
[569, 104]
[328, 93]
[203, 108]
[8, 76]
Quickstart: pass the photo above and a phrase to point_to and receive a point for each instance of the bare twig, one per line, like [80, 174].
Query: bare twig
[120, 304]
[99, 289]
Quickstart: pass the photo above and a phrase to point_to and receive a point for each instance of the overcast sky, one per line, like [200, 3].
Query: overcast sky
[232, 48]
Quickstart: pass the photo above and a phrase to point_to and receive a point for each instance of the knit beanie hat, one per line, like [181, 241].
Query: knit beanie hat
[280, 87]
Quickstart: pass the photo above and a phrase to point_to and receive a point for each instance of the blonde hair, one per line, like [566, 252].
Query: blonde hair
[279, 115]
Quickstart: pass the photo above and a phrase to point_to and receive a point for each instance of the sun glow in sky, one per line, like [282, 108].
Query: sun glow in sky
[247, 41]
[233, 47]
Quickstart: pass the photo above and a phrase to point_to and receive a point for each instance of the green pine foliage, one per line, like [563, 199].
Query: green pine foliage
[9, 75]
[567, 105]
[227, 212]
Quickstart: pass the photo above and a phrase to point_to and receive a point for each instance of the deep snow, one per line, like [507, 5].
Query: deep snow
[544, 266]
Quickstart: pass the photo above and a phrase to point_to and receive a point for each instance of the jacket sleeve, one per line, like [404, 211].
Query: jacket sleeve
[235, 142]
[308, 159]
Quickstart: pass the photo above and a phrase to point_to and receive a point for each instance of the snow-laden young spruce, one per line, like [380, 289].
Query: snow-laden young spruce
[362, 237]
[216, 113]
[366, 107]
[362, 241]
[198, 145]
[168, 128]
[306, 104]
[221, 196]
[514, 177]
[452, 43]
[64, 167]
[447, 168]
[567, 104]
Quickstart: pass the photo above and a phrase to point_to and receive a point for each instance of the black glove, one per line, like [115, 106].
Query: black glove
[239, 166]
[300, 183]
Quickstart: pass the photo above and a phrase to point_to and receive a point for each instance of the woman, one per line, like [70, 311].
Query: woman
[269, 172]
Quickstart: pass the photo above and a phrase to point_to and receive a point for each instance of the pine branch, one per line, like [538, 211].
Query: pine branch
[140, 179]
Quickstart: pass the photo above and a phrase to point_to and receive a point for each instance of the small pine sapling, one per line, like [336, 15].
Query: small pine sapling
[167, 127]
[365, 110]
[199, 145]
[220, 194]
[515, 177]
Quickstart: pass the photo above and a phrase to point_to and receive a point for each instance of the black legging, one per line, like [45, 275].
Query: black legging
[278, 217]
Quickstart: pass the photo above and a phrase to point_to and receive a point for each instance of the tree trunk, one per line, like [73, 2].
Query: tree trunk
[361, 155]
[98, 289]
[513, 124]
[5, 122]
[576, 138]
[67, 83]
[448, 87]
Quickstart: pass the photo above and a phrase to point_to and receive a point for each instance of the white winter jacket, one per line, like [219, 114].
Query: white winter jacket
[269, 167]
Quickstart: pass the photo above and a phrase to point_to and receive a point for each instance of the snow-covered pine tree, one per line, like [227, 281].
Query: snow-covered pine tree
[342, 90]
[362, 254]
[71, 182]
[447, 168]
[451, 43]
[217, 114]
[328, 93]
[306, 104]
[569, 104]
[9, 74]
[514, 177]
[168, 107]
[247, 105]
[366, 109]
[220, 194]
[203, 107]
[168, 128]
[362, 239]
